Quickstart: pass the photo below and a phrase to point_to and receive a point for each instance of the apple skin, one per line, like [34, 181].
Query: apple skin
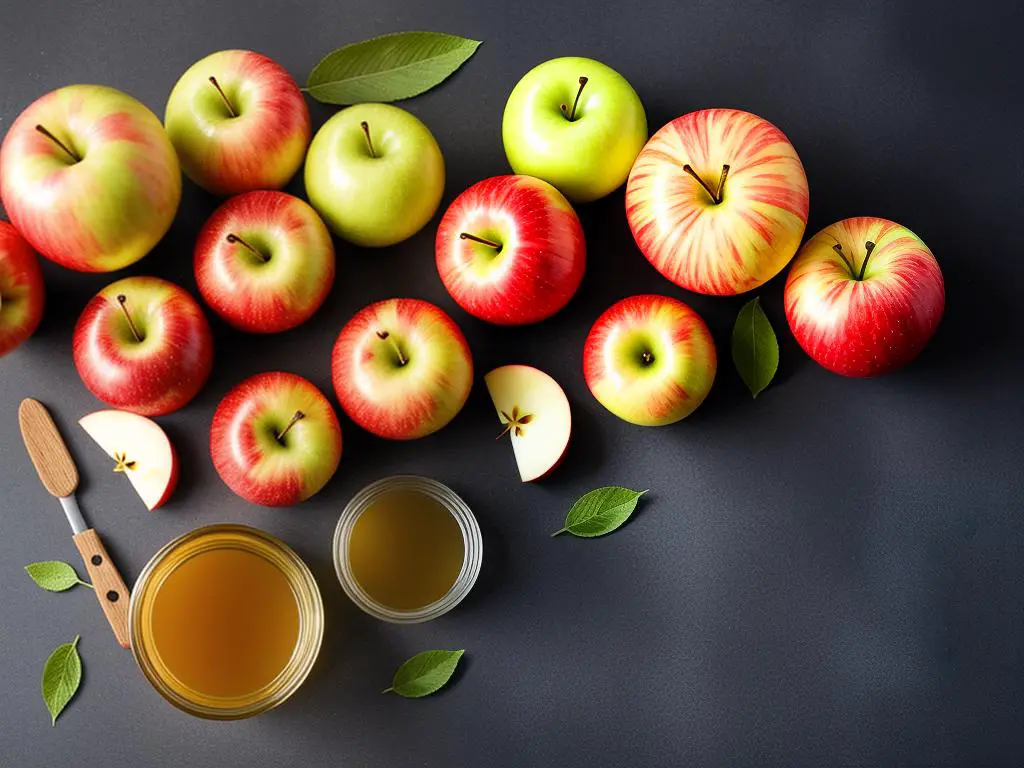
[742, 241]
[375, 199]
[864, 327]
[247, 453]
[264, 296]
[681, 367]
[392, 399]
[109, 209]
[22, 295]
[586, 158]
[262, 146]
[542, 258]
[157, 375]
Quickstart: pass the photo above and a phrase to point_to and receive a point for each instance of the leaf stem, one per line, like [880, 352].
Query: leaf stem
[388, 690]
[74, 643]
[561, 530]
[86, 584]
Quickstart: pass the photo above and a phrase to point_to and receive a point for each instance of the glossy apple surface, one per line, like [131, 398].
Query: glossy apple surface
[650, 360]
[246, 129]
[585, 152]
[864, 296]
[264, 262]
[510, 250]
[275, 439]
[143, 345]
[717, 201]
[22, 295]
[402, 369]
[377, 185]
[89, 178]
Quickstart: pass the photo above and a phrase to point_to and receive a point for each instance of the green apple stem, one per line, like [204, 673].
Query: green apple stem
[571, 115]
[481, 240]
[385, 336]
[59, 143]
[121, 300]
[369, 142]
[227, 101]
[299, 416]
[869, 247]
[233, 238]
[716, 197]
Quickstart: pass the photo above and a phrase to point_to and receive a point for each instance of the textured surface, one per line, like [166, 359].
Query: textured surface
[828, 575]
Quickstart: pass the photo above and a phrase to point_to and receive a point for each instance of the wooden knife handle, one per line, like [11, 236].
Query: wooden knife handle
[109, 586]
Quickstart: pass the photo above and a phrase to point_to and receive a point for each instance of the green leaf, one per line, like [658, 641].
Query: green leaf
[62, 675]
[755, 350]
[601, 511]
[388, 68]
[425, 673]
[54, 576]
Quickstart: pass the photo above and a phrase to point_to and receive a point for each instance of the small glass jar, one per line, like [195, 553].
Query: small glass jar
[310, 620]
[472, 541]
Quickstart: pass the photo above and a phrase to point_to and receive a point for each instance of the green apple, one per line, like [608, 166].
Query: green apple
[576, 123]
[375, 174]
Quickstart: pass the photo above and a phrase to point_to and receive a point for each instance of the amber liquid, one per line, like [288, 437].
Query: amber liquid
[225, 622]
[406, 550]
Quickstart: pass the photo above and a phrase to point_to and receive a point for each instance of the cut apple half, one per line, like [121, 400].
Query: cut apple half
[535, 414]
[140, 449]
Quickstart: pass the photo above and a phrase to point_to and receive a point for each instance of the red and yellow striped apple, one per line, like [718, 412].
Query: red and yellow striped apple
[22, 295]
[717, 201]
[864, 296]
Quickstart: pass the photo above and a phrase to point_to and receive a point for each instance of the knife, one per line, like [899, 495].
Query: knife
[59, 474]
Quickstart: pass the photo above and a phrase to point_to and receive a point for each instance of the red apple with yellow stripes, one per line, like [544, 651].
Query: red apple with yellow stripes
[864, 296]
[22, 295]
[717, 201]
[275, 439]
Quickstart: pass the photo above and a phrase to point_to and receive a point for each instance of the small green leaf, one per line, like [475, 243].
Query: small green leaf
[388, 68]
[425, 673]
[54, 576]
[755, 350]
[62, 675]
[601, 511]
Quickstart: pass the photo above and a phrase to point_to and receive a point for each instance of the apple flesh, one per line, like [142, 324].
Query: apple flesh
[140, 449]
[510, 250]
[89, 178]
[650, 360]
[402, 369]
[275, 439]
[717, 201]
[864, 296]
[238, 122]
[22, 295]
[535, 413]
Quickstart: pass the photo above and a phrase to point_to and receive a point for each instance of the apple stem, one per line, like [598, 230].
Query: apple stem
[227, 101]
[481, 240]
[869, 247]
[366, 132]
[838, 248]
[59, 143]
[565, 110]
[233, 238]
[121, 299]
[299, 416]
[385, 336]
[718, 196]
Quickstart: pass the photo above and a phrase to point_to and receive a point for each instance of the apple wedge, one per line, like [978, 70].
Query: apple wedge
[535, 413]
[140, 449]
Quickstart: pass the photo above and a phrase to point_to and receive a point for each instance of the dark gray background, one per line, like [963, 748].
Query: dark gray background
[829, 575]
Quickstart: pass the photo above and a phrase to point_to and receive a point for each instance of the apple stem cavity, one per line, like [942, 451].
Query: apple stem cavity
[233, 238]
[385, 336]
[716, 197]
[224, 96]
[481, 240]
[571, 115]
[369, 142]
[121, 301]
[869, 247]
[59, 143]
[299, 416]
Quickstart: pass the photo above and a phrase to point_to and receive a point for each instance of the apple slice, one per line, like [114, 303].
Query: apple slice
[536, 415]
[141, 451]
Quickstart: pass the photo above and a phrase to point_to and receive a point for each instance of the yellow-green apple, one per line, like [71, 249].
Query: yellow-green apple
[238, 122]
[22, 295]
[535, 414]
[401, 368]
[650, 360]
[864, 296]
[140, 449]
[275, 439]
[717, 201]
[575, 123]
[143, 345]
[510, 250]
[89, 178]
[375, 173]
[264, 261]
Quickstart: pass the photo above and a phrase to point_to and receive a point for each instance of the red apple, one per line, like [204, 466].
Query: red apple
[510, 250]
[717, 201]
[864, 296]
[143, 345]
[264, 262]
[402, 369]
[22, 295]
[275, 439]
